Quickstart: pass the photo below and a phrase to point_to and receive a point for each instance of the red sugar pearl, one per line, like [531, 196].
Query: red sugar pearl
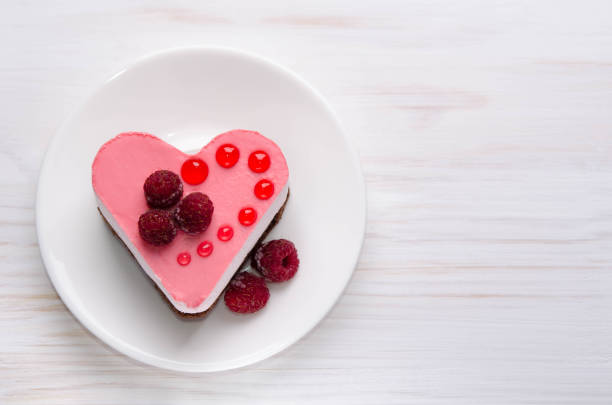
[205, 248]
[227, 155]
[183, 258]
[194, 171]
[247, 216]
[225, 233]
[259, 161]
[264, 189]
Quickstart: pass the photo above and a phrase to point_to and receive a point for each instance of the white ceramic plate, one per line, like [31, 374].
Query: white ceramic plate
[186, 96]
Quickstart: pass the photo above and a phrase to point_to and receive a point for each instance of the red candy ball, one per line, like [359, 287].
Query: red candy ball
[225, 233]
[205, 248]
[247, 216]
[183, 258]
[259, 161]
[194, 171]
[264, 189]
[227, 155]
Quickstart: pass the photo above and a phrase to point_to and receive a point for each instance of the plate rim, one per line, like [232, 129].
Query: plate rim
[98, 330]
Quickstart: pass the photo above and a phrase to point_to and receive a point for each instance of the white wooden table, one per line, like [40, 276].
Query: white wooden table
[485, 133]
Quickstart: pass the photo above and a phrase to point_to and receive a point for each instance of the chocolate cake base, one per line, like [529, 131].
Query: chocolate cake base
[197, 315]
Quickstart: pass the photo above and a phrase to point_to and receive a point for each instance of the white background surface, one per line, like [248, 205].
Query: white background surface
[485, 136]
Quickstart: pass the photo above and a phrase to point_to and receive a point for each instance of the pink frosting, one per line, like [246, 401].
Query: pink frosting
[120, 169]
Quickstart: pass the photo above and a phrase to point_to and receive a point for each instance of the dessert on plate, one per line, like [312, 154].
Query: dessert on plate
[192, 220]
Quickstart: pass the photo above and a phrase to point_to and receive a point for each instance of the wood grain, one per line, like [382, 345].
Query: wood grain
[485, 137]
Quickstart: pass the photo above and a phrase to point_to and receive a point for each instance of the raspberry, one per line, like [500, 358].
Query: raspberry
[246, 293]
[156, 227]
[276, 260]
[163, 189]
[194, 213]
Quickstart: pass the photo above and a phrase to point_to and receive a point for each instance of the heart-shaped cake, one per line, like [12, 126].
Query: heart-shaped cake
[240, 179]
